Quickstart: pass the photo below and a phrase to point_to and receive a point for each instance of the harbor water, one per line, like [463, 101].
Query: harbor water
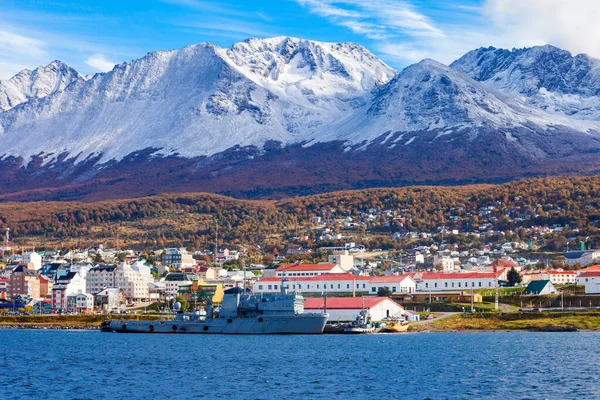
[43, 364]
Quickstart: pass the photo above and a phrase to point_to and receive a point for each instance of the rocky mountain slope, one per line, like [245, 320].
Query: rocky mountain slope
[280, 116]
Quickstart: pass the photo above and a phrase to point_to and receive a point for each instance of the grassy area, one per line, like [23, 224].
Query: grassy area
[64, 320]
[515, 321]
[503, 291]
[455, 307]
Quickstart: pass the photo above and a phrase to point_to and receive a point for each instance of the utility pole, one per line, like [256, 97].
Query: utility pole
[496, 280]
[216, 242]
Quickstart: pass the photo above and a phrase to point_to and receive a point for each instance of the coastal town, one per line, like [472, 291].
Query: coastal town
[387, 284]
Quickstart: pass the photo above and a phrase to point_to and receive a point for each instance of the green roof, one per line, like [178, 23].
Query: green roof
[536, 287]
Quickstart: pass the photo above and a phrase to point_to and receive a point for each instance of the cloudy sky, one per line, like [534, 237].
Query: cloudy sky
[93, 35]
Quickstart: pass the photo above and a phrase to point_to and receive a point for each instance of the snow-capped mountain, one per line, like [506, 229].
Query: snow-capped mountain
[546, 77]
[40, 82]
[200, 100]
[284, 115]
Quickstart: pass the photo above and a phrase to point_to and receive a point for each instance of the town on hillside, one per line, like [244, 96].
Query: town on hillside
[390, 284]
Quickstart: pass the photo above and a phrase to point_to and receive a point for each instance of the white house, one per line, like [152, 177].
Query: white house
[82, 302]
[347, 308]
[591, 281]
[133, 280]
[582, 257]
[67, 285]
[540, 287]
[295, 270]
[33, 260]
[342, 258]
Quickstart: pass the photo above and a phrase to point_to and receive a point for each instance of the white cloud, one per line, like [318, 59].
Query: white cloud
[403, 33]
[569, 24]
[100, 63]
[19, 52]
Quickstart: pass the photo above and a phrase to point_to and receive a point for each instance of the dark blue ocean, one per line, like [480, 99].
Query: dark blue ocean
[93, 365]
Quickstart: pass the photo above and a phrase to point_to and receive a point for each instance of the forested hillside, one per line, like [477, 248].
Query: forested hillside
[191, 219]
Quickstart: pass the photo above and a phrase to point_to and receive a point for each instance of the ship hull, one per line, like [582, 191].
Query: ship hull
[266, 324]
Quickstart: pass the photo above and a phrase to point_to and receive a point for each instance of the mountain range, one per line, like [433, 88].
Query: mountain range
[284, 116]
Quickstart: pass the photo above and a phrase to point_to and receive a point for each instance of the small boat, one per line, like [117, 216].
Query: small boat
[362, 324]
[395, 326]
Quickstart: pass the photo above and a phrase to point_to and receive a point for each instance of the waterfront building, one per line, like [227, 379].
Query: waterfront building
[68, 285]
[347, 308]
[84, 302]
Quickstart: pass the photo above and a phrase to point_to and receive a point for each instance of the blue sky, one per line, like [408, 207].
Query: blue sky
[93, 35]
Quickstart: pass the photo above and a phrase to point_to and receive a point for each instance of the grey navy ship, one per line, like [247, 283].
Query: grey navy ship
[240, 313]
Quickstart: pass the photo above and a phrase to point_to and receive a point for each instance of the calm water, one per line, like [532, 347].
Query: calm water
[94, 365]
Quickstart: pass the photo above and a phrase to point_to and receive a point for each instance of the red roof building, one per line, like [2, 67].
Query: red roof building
[347, 308]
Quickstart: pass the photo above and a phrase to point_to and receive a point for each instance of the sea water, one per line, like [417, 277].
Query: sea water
[45, 364]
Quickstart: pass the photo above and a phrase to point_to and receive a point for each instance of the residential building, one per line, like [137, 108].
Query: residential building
[24, 282]
[582, 257]
[100, 277]
[540, 287]
[342, 258]
[33, 260]
[45, 286]
[178, 258]
[175, 280]
[68, 285]
[559, 277]
[134, 281]
[84, 302]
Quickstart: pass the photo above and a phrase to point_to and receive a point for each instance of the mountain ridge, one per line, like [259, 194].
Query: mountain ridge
[263, 114]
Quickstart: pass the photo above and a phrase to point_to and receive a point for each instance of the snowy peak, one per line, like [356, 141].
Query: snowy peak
[430, 95]
[36, 84]
[548, 77]
[309, 65]
[530, 69]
